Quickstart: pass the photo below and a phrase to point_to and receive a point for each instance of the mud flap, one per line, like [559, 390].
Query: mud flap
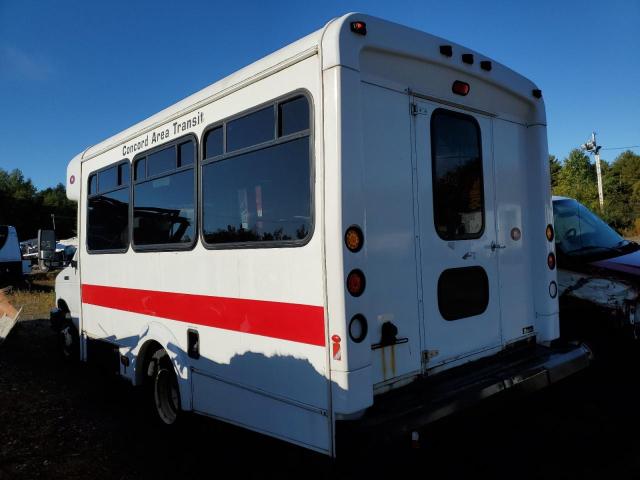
[8, 316]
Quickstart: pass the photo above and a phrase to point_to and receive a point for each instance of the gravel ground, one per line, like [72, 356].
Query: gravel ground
[69, 421]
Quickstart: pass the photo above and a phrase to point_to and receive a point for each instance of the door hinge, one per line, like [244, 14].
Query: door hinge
[427, 355]
[417, 109]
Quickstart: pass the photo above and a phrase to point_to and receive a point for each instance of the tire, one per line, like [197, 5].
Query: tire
[69, 341]
[163, 391]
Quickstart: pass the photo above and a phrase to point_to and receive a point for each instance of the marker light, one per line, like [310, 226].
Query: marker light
[550, 233]
[358, 328]
[460, 88]
[359, 27]
[446, 50]
[537, 93]
[467, 58]
[354, 238]
[355, 283]
[486, 65]
[551, 261]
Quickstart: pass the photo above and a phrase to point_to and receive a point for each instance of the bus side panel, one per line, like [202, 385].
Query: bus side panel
[259, 381]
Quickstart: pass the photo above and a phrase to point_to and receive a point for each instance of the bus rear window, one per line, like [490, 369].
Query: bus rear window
[458, 189]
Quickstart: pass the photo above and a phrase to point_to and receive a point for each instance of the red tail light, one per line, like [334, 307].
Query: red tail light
[355, 283]
[551, 261]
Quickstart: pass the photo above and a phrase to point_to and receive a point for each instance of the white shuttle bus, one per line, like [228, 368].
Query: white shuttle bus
[352, 232]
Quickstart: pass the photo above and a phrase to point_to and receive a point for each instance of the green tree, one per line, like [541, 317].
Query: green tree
[555, 167]
[577, 179]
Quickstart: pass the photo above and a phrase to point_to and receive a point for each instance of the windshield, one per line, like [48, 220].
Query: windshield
[580, 232]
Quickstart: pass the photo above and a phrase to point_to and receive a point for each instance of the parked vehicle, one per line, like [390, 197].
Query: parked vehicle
[11, 267]
[598, 274]
[332, 236]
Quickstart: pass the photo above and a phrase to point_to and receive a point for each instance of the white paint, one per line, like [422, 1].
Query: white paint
[372, 169]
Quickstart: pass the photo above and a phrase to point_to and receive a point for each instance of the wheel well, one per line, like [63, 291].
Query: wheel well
[144, 356]
[62, 305]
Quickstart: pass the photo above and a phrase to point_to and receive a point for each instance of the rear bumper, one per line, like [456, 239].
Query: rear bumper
[427, 400]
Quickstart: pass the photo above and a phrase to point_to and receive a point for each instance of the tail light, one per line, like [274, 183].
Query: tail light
[354, 239]
[355, 283]
[551, 261]
[550, 233]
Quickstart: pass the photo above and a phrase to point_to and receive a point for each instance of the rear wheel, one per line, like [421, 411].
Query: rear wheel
[164, 391]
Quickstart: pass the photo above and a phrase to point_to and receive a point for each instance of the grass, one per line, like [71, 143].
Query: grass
[35, 302]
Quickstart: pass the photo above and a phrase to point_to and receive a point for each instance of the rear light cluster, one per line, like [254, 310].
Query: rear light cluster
[467, 58]
[551, 261]
[356, 284]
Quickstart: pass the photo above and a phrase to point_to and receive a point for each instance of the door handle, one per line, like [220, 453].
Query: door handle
[496, 246]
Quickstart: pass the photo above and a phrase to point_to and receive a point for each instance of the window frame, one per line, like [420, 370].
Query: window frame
[167, 247]
[98, 193]
[310, 133]
[452, 113]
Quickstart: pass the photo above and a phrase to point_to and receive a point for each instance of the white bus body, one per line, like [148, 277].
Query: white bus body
[450, 192]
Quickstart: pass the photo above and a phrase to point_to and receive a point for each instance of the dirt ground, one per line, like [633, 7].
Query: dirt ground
[60, 420]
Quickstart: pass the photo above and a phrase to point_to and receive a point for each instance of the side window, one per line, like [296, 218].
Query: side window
[164, 197]
[458, 188]
[108, 209]
[262, 194]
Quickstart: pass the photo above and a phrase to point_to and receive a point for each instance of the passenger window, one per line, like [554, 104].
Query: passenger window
[213, 145]
[252, 129]
[463, 292]
[108, 209]
[263, 195]
[293, 116]
[161, 161]
[458, 189]
[164, 202]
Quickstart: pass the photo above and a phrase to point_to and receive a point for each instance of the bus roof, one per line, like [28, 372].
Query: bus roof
[339, 47]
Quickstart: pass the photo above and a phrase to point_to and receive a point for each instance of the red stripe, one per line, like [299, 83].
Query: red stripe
[287, 321]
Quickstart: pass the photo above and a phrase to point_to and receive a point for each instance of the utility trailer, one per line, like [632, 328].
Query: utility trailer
[354, 230]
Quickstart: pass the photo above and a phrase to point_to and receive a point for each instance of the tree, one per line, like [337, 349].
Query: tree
[554, 168]
[577, 179]
[22, 206]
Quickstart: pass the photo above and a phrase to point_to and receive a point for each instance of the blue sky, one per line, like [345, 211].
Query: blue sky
[73, 73]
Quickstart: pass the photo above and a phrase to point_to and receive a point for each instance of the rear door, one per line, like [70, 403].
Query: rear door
[456, 227]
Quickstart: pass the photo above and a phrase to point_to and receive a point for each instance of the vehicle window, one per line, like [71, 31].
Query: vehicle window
[458, 189]
[579, 231]
[108, 209]
[161, 161]
[252, 129]
[263, 194]
[260, 196]
[463, 292]
[164, 200]
[293, 116]
[213, 145]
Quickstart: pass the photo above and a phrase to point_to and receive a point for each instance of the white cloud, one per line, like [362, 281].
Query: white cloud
[17, 64]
